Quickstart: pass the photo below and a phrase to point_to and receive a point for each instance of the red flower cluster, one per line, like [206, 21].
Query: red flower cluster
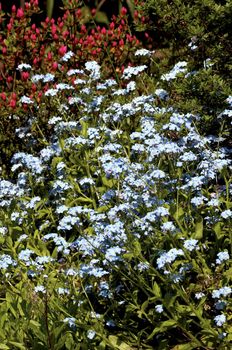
[43, 47]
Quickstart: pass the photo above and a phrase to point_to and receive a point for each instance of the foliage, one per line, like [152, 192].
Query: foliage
[198, 30]
[116, 225]
[115, 199]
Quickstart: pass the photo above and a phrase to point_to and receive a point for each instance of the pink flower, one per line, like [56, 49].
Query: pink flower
[20, 13]
[25, 76]
[62, 50]
[54, 65]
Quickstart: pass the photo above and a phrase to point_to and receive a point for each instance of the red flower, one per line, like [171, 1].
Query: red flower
[62, 50]
[12, 103]
[25, 76]
[123, 11]
[20, 13]
[3, 96]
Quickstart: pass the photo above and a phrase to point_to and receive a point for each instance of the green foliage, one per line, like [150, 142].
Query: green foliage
[116, 215]
[205, 24]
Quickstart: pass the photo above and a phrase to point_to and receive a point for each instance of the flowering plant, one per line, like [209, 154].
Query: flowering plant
[116, 225]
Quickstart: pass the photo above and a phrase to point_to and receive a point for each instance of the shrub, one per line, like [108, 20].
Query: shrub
[116, 227]
[198, 32]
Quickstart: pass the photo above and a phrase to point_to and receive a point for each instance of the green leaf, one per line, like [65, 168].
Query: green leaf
[198, 229]
[162, 328]
[84, 200]
[36, 328]
[156, 290]
[178, 213]
[101, 17]
[218, 230]
[186, 346]
[131, 6]
[17, 345]
[50, 5]
[118, 344]
[69, 343]
[4, 347]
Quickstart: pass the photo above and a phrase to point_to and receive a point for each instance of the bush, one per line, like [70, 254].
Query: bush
[198, 32]
[116, 227]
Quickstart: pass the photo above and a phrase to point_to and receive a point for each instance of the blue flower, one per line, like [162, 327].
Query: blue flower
[191, 244]
[222, 256]
[220, 320]
[159, 308]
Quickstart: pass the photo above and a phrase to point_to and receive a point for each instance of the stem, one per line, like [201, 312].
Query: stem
[49, 343]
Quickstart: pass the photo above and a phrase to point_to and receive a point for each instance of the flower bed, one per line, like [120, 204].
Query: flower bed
[115, 221]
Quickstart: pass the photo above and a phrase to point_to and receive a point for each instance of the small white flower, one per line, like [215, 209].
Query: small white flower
[199, 295]
[161, 93]
[62, 86]
[25, 99]
[91, 334]
[23, 66]
[222, 256]
[67, 56]
[71, 321]
[220, 320]
[226, 214]
[41, 289]
[143, 52]
[129, 71]
[224, 291]
[74, 71]
[51, 92]
[48, 77]
[159, 308]
[180, 67]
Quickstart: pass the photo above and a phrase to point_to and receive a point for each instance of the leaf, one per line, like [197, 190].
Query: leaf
[118, 344]
[84, 200]
[198, 229]
[35, 327]
[101, 17]
[178, 213]
[4, 347]
[218, 230]
[17, 345]
[156, 290]
[137, 248]
[69, 343]
[50, 5]
[162, 328]
[186, 346]
[131, 6]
